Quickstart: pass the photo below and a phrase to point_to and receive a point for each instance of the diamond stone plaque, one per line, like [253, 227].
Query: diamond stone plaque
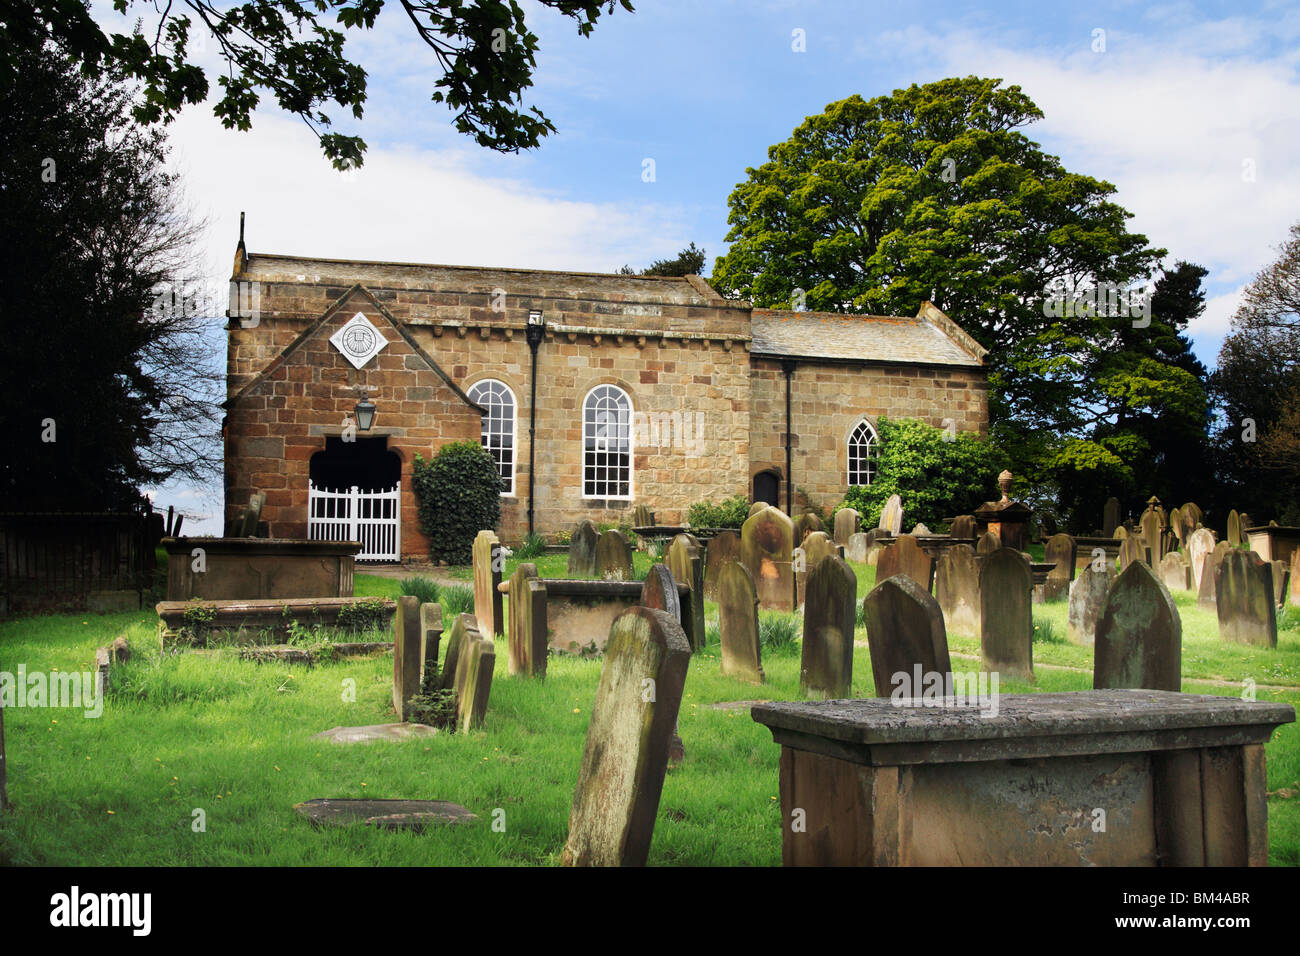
[358, 340]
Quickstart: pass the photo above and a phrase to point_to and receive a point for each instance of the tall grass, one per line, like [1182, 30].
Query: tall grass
[425, 589]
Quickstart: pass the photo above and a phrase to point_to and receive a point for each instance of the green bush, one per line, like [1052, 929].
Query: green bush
[459, 495]
[457, 599]
[425, 589]
[731, 513]
[534, 546]
[778, 632]
[433, 706]
[937, 475]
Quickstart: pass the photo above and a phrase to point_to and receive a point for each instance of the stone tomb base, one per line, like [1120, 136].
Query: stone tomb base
[1179, 777]
[385, 814]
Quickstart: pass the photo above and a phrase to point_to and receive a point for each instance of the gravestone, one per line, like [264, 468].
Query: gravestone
[988, 543]
[408, 654]
[1110, 518]
[738, 624]
[1246, 524]
[1205, 595]
[1087, 597]
[1152, 537]
[473, 684]
[1294, 589]
[859, 544]
[963, 526]
[1243, 593]
[816, 546]
[1185, 526]
[252, 515]
[805, 525]
[1193, 510]
[766, 549]
[724, 547]
[1281, 574]
[1121, 533]
[413, 815]
[1175, 574]
[1006, 616]
[1139, 638]
[528, 638]
[906, 634]
[487, 575]
[891, 516]
[905, 556]
[1198, 545]
[848, 522]
[829, 615]
[460, 626]
[643, 517]
[957, 589]
[613, 556]
[1060, 552]
[685, 559]
[582, 550]
[756, 507]
[1130, 550]
[920, 530]
[626, 754]
[659, 592]
[430, 632]
[1234, 529]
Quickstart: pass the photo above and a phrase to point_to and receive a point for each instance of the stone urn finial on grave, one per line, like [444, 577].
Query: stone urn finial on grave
[1004, 484]
[1008, 519]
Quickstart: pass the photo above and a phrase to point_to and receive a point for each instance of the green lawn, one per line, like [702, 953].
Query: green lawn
[232, 738]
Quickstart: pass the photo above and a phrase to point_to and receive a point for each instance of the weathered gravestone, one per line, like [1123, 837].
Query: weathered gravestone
[1281, 574]
[252, 515]
[859, 544]
[724, 547]
[473, 681]
[767, 550]
[909, 647]
[987, 544]
[829, 615]
[905, 556]
[1294, 589]
[1152, 537]
[1139, 637]
[487, 575]
[1243, 593]
[1175, 573]
[659, 592]
[957, 589]
[626, 754]
[582, 550]
[1234, 529]
[848, 522]
[528, 629]
[757, 506]
[1110, 518]
[685, 559]
[1121, 533]
[613, 556]
[1006, 615]
[430, 632]
[1205, 596]
[408, 653]
[1199, 543]
[891, 516]
[1185, 526]
[963, 526]
[1193, 510]
[1059, 552]
[805, 525]
[1087, 597]
[920, 530]
[460, 626]
[643, 517]
[1131, 549]
[816, 546]
[738, 624]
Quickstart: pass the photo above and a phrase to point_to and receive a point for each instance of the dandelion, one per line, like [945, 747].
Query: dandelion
[577, 710]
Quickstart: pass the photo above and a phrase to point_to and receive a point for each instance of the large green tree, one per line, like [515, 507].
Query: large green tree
[935, 193]
[294, 50]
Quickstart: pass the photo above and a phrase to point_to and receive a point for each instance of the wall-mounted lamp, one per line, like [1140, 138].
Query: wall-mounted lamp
[365, 410]
[536, 328]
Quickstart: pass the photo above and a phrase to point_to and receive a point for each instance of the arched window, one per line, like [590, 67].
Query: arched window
[862, 454]
[498, 427]
[607, 443]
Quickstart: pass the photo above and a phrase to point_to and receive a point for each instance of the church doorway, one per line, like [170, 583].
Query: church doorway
[767, 487]
[354, 494]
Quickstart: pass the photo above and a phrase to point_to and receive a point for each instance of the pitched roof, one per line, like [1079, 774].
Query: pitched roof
[928, 338]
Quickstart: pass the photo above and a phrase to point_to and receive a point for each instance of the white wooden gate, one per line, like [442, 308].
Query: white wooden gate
[371, 517]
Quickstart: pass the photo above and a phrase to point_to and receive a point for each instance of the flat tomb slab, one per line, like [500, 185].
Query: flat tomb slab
[414, 815]
[235, 568]
[373, 732]
[251, 621]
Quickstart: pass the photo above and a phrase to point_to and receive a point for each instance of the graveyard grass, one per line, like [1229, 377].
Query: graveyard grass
[233, 738]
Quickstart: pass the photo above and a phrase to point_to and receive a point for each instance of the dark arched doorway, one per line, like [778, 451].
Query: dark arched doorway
[767, 487]
[355, 495]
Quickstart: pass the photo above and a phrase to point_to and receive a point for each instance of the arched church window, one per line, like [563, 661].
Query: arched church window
[498, 427]
[862, 454]
[607, 443]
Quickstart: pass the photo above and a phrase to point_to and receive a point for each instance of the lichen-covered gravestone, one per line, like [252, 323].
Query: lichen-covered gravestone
[905, 556]
[891, 516]
[528, 629]
[1059, 552]
[1006, 615]
[659, 592]
[757, 506]
[1199, 543]
[460, 626]
[920, 530]
[742, 654]
[724, 547]
[815, 547]
[1087, 598]
[805, 525]
[957, 588]
[856, 550]
[905, 631]
[487, 575]
[1130, 550]
[1205, 596]
[430, 632]
[613, 556]
[626, 754]
[408, 654]
[685, 559]
[582, 550]
[1281, 575]
[829, 615]
[848, 522]
[1139, 637]
[1234, 529]
[474, 666]
[987, 544]
[1175, 573]
[767, 550]
[643, 517]
[963, 526]
[1243, 593]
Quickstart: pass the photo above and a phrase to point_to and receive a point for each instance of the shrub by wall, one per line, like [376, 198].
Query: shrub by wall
[459, 495]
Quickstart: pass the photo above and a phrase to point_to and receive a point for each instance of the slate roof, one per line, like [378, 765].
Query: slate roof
[929, 338]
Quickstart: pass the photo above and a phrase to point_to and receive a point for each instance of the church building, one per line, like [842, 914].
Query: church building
[594, 394]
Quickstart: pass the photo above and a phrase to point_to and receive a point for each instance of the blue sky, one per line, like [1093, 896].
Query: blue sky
[1182, 99]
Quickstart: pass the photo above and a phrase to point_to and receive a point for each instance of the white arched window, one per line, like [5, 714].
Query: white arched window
[498, 427]
[862, 454]
[607, 443]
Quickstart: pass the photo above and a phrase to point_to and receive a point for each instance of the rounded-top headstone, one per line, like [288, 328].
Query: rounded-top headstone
[1139, 635]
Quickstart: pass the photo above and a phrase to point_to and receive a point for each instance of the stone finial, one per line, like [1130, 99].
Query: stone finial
[1004, 483]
